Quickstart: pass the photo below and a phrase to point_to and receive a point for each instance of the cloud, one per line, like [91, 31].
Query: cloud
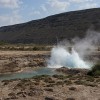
[13, 16]
[58, 4]
[10, 3]
[80, 1]
[84, 4]
[44, 8]
[88, 5]
[35, 12]
[10, 19]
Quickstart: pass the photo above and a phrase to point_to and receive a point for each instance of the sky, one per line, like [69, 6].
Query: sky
[20, 11]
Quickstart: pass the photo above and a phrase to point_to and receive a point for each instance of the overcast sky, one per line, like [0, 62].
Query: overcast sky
[19, 11]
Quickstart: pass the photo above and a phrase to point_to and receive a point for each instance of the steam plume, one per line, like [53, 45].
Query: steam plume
[60, 55]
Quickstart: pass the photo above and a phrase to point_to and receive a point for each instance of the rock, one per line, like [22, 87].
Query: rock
[72, 88]
[12, 95]
[49, 98]
[72, 71]
[49, 89]
[70, 99]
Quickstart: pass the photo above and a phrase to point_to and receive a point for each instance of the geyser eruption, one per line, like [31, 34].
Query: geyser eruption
[83, 48]
[61, 57]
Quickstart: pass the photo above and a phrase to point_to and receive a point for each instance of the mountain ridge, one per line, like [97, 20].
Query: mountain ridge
[46, 30]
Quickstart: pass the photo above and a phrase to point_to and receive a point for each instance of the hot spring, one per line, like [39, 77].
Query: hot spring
[61, 57]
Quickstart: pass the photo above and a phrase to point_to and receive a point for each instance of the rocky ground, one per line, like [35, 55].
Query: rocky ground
[56, 87]
[71, 84]
[14, 61]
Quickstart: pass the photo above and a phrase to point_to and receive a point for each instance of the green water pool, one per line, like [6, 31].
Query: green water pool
[22, 75]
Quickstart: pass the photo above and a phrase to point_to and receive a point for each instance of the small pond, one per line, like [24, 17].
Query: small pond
[22, 75]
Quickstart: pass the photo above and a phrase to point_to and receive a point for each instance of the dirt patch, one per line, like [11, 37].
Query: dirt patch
[55, 88]
[14, 61]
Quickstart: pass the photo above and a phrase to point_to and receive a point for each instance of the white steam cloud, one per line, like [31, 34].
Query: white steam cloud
[62, 57]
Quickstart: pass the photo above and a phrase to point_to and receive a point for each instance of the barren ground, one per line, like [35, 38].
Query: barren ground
[15, 61]
[56, 87]
[51, 88]
[13, 53]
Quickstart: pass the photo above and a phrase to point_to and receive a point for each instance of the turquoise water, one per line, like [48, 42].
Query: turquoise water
[22, 75]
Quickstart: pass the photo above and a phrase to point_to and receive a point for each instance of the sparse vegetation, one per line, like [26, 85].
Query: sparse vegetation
[59, 83]
[72, 88]
[79, 82]
[60, 76]
[26, 47]
[49, 89]
[70, 99]
[68, 82]
[49, 98]
[95, 71]
[90, 79]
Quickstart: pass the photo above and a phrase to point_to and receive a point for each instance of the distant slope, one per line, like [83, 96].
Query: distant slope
[47, 30]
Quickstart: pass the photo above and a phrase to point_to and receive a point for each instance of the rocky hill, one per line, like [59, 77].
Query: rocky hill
[47, 30]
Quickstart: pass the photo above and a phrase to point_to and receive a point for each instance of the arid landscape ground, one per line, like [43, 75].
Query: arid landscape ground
[56, 87]
[13, 61]
[69, 84]
[49, 50]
